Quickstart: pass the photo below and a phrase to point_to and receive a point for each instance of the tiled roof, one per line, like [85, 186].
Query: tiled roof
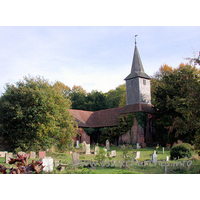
[108, 117]
[148, 108]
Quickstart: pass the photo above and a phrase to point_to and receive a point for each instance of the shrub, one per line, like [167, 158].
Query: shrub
[181, 151]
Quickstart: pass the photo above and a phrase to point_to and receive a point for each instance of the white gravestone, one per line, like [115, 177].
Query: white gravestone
[75, 159]
[3, 153]
[137, 155]
[138, 146]
[84, 145]
[154, 158]
[22, 153]
[107, 145]
[47, 162]
[96, 150]
[113, 153]
[87, 149]
[77, 144]
[167, 158]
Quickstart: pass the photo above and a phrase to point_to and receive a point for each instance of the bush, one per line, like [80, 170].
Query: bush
[181, 151]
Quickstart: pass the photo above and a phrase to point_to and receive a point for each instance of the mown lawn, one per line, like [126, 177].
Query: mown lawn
[139, 168]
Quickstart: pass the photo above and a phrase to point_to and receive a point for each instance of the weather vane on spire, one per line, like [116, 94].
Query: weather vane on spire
[135, 39]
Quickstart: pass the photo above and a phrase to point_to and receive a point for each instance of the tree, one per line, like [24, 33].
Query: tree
[176, 100]
[115, 98]
[34, 116]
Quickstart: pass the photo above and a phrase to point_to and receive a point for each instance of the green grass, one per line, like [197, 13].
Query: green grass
[145, 155]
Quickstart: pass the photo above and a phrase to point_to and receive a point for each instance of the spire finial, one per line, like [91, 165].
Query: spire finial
[135, 39]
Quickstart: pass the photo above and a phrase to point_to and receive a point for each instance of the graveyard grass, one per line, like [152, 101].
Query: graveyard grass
[145, 155]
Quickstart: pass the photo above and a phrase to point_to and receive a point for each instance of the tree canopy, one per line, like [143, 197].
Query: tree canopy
[35, 115]
[175, 95]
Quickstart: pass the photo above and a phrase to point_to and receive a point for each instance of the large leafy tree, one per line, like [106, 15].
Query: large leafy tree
[176, 99]
[34, 115]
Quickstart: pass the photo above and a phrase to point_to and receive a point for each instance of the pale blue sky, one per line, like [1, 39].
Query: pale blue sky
[97, 58]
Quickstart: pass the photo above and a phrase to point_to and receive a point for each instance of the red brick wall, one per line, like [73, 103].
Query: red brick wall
[82, 137]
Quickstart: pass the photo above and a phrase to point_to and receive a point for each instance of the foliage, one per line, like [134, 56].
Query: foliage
[101, 156]
[182, 150]
[176, 98]
[125, 123]
[23, 167]
[34, 114]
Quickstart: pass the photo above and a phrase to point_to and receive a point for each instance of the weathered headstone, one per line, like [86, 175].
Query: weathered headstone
[48, 164]
[96, 150]
[154, 158]
[165, 169]
[75, 158]
[84, 145]
[154, 152]
[32, 155]
[87, 149]
[113, 153]
[3, 153]
[8, 156]
[42, 154]
[163, 150]
[77, 144]
[137, 155]
[107, 145]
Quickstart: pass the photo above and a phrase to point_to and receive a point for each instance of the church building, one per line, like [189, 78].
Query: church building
[138, 100]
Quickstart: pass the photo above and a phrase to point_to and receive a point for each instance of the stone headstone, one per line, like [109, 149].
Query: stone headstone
[137, 155]
[84, 145]
[3, 153]
[113, 153]
[107, 145]
[154, 152]
[8, 156]
[75, 158]
[154, 158]
[167, 158]
[163, 150]
[48, 164]
[87, 149]
[32, 155]
[42, 154]
[77, 144]
[165, 169]
[96, 150]
[138, 146]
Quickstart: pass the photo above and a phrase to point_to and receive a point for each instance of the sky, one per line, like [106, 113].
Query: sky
[94, 57]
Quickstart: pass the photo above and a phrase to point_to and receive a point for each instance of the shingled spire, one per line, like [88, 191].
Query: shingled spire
[137, 69]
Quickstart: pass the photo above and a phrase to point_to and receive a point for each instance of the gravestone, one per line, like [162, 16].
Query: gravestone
[42, 154]
[163, 150]
[154, 152]
[3, 153]
[8, 156]
[137, 155]
[113, 153]
[96, 150]
[167, 158]
[154, 158]
[138, 146]
[77, 144]
[32, 155]
[107, 145]
[47, 162]
[87, 149]
[75, 159]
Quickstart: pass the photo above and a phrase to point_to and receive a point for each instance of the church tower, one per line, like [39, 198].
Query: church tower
[138, 88]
